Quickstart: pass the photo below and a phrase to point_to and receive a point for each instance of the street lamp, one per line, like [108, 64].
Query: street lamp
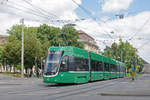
[121, 16]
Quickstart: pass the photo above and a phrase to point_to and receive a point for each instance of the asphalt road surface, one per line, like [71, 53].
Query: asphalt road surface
[34, 89]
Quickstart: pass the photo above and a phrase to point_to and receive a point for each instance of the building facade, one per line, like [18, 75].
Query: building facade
[146, 67]
[88, 41]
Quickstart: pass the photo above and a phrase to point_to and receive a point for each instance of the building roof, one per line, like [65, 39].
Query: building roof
[82, 32]
[87, 39]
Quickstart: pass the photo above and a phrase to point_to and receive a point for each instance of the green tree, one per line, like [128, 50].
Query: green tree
[71, 37]
[11, 51]
[125, 52]
[50, 33]
[52, 36]
[139, 64]
[32, 46]
[15, 30]
[44, 47]
[36, 43]
[108, 52]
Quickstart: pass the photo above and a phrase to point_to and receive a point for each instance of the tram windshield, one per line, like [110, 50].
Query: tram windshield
[52, 62]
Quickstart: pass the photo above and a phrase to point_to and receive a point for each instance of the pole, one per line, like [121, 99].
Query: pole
[22, 50]
[121, 57]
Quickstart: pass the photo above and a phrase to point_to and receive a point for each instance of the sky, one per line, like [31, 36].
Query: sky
[101, 19]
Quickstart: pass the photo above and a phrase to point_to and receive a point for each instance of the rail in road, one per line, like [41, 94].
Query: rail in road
[37, 90]
[60, 91]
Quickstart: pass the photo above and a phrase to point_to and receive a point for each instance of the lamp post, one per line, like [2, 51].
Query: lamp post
[22, 50]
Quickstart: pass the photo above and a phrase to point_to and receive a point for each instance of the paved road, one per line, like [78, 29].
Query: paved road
[35, 89]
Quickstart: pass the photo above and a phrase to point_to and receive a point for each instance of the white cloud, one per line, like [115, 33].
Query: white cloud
[132, 25]
[115, 5]
[65, 9]
[12, 11]
[125, 28]
[6, 21]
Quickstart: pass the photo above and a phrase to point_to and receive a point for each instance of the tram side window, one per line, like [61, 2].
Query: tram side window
[64, 64]
[118, 68]
[101, 66]
[82, 64]
[122, 69]
[106, 65]
[111, 68]
[85, 64]
[96, 65]
[115, 68]
[93, 65]
[71, 63]
[78, 64]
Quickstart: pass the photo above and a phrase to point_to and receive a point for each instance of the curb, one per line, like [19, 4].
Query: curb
[125, 94]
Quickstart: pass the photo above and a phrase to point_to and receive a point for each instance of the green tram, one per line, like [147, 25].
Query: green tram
[73, 65]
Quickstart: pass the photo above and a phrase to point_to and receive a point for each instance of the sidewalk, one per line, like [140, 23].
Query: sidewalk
[5, 77]
[10, 80]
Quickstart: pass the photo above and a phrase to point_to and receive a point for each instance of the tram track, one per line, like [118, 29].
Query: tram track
[78, 91]
[60, 92]
[25, 90]
[73, 87]
[73, 90]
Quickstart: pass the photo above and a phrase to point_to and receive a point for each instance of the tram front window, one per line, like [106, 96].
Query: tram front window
[52, 62]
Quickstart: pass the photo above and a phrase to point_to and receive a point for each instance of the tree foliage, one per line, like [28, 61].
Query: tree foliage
[37, 40]
[55, 36]
[71, 36]
[50, 33]
[32, 48]
[12, 51]
[124, 52]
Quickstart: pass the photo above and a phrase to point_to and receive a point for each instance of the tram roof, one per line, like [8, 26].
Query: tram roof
[72, 51]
